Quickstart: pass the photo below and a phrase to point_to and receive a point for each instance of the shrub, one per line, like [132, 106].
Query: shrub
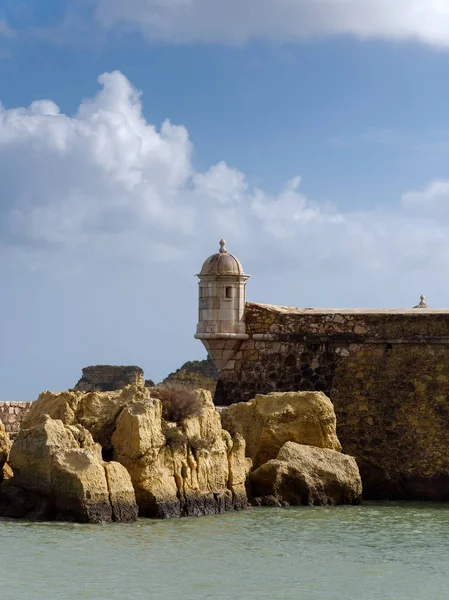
[174, 437]
[178, 402]
[197, 443]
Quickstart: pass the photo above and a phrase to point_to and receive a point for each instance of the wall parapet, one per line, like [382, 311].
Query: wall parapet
[376, 324]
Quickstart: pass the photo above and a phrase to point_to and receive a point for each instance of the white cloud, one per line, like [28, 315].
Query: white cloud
[433, 200]
[104, 221]
[107, 181]
[236, 21]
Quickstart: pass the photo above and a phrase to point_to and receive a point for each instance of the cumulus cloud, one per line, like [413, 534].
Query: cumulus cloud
[432, 200]
[104, 221]
[105, 180]
[236, 21]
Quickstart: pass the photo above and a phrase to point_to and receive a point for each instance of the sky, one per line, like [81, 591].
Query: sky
[313, 135]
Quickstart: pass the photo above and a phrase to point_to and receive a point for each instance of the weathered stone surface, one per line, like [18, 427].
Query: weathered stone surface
[307, 475]
[385, 371]
[108, 378]
[268, 422]
[188, 468]
[393, 416]
[96, 411]
[12, 414]
[180, 469]
[198, 374]
[5, 447]
[59, 473]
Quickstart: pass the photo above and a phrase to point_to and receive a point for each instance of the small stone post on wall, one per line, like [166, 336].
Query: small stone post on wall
[222, 299]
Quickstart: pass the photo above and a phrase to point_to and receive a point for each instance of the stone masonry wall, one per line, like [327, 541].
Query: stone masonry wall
[387, 373]
[12, 414]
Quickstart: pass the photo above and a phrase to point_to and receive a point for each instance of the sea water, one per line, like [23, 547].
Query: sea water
[394, 551]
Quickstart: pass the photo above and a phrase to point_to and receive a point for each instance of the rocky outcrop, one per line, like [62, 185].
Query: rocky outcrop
[180, 469]
[307, 475]
[268, 422]
[96, 411]
[109, 378]
[59, 474]
[5, 447]
[192, 467]
[195, 374]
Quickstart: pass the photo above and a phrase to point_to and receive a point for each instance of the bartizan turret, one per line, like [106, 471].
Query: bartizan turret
[222, 299]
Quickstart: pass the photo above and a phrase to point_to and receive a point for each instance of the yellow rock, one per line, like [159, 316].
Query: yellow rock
[306, 475]
[268, 422]
[187, 468]
[62, 466]
[5, 447]
[96, 411]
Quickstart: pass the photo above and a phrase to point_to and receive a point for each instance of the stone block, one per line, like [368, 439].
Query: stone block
[251, 355]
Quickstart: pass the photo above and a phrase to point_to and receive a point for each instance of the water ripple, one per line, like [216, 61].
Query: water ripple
[376, 551]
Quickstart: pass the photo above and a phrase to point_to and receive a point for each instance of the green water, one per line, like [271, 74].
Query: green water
[395, 551]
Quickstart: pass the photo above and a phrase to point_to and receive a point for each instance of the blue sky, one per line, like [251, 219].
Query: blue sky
[106, 214]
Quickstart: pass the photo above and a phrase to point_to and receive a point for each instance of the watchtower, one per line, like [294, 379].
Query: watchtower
[222, 299]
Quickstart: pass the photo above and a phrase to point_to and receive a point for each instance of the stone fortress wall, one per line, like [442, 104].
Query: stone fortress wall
[386, 372]
[12, 414]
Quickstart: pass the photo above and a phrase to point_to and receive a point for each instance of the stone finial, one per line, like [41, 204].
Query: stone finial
[422, 304]
[223, 247]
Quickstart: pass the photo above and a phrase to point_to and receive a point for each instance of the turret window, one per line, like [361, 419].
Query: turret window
[229, 292]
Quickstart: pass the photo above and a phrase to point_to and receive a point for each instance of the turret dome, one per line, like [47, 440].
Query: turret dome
[222, 263]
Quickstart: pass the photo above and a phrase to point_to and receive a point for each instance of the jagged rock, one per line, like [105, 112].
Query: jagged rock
[268, 422]
[307, 475]
[96, 411]
[5, 447]
[195, 374]
[108, 378]
[59, 473]
[189, 468]
[181, 469]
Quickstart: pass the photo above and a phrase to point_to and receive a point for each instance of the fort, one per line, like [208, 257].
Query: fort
[385, 370]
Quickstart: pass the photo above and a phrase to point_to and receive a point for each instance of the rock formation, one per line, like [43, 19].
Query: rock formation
[191, 467]
[307, 475]
[5, 446]
[187, 468]
[59, 471]
[96, 411]
[196, 374]
[108, 378]
[268, 422]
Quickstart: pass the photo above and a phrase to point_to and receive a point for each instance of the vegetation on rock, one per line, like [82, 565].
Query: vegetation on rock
[196, 374]
[97, 456]
[178, 402]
